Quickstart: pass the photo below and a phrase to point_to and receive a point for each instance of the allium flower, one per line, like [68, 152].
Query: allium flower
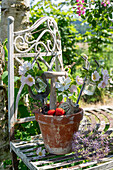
[95, 76]
[63, 83]
[102, 84]
[40, 152]
[79, 80]
[25, 67]
[73, 89]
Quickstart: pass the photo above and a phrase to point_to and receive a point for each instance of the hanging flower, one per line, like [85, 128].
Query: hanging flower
[63, 83]
[25, 67]
[102, 84]
[105, 75]
[73, 89]
[79, 80]
[23, 80]
[95, 76]
[40, 152]
[29, 80]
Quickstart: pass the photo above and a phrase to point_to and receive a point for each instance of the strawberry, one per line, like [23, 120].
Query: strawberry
[48, 106]
[51, 112]
[59, 112]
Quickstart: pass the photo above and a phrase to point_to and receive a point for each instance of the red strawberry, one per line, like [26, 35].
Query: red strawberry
[59, 112]
[47, 105]
[51, 112]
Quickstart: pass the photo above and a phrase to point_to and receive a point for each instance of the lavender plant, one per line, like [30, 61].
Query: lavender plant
[91, 145]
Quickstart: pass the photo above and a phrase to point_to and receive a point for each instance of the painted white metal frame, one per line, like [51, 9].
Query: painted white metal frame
[20, 44]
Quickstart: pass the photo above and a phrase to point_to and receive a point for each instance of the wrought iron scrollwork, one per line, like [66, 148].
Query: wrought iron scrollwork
[24, 42]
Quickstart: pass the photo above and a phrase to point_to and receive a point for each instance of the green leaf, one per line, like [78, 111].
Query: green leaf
[4, 75]
[94, 23]
[90, 17]
[60, 98]
[16, 78]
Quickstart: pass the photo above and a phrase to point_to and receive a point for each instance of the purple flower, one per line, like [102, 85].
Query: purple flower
[91, 146]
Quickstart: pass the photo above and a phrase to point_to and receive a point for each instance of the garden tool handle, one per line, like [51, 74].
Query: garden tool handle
[81, 90]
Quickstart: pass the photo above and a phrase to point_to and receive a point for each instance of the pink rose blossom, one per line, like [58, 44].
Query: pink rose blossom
[83, 12]
[105, 3]
[80, 8]
[81, 5]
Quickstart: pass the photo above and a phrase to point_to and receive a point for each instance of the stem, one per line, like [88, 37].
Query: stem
[17, 99]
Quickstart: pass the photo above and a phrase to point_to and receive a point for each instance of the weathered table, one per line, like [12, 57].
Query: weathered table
[101, 117]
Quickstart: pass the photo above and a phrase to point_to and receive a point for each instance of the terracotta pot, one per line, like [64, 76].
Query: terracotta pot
[57, 131]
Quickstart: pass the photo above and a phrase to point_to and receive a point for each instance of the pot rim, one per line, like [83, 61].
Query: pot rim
[80, 111]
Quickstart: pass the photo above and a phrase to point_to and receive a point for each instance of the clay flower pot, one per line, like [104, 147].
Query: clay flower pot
[57, 131]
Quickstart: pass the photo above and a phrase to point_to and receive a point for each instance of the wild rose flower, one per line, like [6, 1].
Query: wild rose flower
[105, 75]
[23, 79]
[30, 80]
[79, 80]
[95, 76]
[102, 84]
[25, 67]
[63, 83]
[73, 89]
[40, 152]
